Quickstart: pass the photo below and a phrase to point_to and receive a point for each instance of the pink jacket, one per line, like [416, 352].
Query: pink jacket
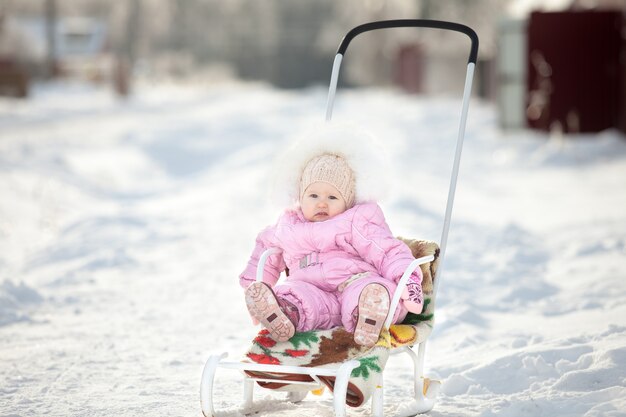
[328, 253]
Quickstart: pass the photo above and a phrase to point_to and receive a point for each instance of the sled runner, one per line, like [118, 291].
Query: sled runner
[330, 358]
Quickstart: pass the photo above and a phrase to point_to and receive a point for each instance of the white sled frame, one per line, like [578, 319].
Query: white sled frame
[423, 401]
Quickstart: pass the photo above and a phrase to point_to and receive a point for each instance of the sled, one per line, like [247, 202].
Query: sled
[305, 368]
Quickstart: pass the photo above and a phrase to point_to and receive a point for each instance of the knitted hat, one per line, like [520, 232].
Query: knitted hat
[365, 156]
[332, 169]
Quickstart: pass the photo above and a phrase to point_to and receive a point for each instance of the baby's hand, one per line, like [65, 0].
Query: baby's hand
[254, 321]
[412, 297]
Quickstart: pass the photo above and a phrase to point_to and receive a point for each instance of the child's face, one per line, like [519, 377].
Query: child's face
[321, 201]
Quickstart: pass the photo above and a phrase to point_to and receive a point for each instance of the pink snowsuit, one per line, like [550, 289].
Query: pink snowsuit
[330, 262]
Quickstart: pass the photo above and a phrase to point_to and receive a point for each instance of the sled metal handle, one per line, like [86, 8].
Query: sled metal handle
[417, 23]
[402, 284]
[387, 24]
[260, 268]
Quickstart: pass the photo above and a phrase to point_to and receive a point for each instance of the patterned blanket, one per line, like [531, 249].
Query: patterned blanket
[335, 346]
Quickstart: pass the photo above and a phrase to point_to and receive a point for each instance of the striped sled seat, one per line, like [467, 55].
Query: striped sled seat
[311, 361]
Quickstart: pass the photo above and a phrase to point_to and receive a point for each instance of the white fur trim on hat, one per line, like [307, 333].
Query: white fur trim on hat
[359, 148]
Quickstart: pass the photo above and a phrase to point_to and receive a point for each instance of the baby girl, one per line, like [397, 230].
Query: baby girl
[342, 260]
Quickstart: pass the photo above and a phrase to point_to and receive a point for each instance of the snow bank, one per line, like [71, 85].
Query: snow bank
[16, 302]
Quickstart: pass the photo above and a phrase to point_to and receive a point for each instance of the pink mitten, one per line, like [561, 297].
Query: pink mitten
[412, 297]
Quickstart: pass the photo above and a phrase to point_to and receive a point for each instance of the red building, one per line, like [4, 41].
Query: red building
[576, 71]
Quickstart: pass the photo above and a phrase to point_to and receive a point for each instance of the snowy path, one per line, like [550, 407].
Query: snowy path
[123, 227]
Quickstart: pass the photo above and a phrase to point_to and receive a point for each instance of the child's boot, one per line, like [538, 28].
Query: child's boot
[372, 312]
[264, 306]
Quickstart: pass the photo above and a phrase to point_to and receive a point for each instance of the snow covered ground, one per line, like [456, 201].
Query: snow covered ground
[124, 225]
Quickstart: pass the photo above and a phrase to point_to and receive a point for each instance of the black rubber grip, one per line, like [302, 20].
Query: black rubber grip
[418, 23]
